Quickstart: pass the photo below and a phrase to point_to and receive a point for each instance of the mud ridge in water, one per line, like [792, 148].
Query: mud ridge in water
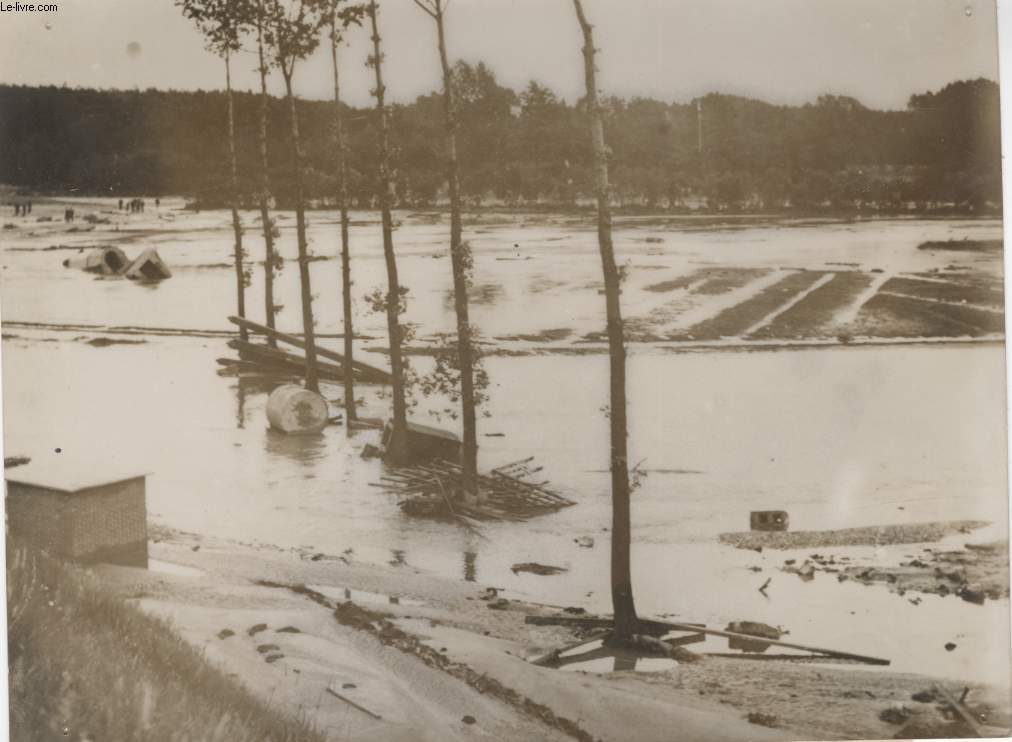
[915, 533]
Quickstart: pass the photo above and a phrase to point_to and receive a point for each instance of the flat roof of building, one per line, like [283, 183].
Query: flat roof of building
[68, 474]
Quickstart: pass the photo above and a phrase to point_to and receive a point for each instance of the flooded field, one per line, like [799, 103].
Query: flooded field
[857, 429]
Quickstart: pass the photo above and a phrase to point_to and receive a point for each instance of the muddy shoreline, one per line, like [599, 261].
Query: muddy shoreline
[479, 644]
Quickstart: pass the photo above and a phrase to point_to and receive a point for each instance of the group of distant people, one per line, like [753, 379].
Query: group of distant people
[133, 206]
[136, 205]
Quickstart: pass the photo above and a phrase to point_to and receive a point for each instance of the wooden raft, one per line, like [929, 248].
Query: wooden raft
[432, 490]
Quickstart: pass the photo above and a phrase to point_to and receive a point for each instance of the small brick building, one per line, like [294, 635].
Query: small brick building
[81, 517]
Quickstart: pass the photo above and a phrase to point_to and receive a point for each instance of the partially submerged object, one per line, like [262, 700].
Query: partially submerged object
[653, 627]
[147, 267]
[420, 443]
[363, 372]
[292, 409]
[434, 490]
[769, 520]
[105, 261]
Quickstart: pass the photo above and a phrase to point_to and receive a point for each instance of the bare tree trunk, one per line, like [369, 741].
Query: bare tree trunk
[393, 286]
[265, 193]
[459, 261]
[626, 621]
[312, 381]
[240, 273]
[342, 203]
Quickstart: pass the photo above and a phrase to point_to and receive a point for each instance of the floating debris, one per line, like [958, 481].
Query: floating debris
[148, 267]
[434, 490]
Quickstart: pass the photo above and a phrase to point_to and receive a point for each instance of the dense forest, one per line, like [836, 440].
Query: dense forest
[719, 152]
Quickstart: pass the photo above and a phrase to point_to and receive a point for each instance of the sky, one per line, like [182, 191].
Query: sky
[782, 51]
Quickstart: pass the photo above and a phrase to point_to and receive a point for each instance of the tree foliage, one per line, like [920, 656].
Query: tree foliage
[527, 148]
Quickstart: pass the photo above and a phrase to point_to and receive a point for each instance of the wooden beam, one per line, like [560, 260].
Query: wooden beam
[962, 710]
[298, 342]
[665, 626]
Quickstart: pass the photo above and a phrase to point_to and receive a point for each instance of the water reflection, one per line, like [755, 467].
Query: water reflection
[240, 410]
[470, 566]
[305, 449]
[601, 659]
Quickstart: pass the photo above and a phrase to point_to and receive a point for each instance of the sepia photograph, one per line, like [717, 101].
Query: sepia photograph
[503, 370]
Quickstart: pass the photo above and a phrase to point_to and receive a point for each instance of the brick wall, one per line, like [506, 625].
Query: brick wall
[107, 523]
[35, 518]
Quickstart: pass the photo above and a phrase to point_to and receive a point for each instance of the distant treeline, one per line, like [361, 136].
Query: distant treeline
[719, 152]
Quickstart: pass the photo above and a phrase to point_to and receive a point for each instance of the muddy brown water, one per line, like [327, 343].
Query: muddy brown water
[838, 437]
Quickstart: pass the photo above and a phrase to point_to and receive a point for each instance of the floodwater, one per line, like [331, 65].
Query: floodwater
[837, 436]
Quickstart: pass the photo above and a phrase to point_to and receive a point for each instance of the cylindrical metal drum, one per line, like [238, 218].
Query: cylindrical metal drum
[292, 409]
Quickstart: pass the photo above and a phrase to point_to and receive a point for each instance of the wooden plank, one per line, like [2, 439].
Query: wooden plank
[961, 709]
[365, 368]
[669, 626]
[351, 703]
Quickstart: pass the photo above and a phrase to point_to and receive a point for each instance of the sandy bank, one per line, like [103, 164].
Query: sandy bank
[290, 648]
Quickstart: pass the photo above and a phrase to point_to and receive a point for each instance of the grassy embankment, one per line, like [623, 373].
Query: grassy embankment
[86, 664]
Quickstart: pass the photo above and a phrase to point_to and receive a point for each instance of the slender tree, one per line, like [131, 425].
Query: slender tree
[460, 260]
[339, 20]
[221, 22]
[272, 260]
[293, 34]
[395, 294]
[626, 621]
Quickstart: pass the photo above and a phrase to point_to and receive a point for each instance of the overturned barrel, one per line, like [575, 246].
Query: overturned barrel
[292, 409]
[106, 261]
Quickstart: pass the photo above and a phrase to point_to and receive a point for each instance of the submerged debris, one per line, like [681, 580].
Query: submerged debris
[434, 490]
[537, 569]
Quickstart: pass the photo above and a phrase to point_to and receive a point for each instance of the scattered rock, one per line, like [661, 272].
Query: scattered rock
[272, 658]
[973, 596]
[924, 696]
[895, 715]
[587, 542]
[762, 719]
[348, 686]
[225, 633]
[949, 646]
[256, 629]
[289, 630]
[469, 719]
[499, 604]
[265, 648]
[575, 610]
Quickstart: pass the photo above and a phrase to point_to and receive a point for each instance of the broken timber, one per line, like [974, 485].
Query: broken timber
[432, 490]
[649, 626]
[363, 371]
[960, 708]
[281, 362]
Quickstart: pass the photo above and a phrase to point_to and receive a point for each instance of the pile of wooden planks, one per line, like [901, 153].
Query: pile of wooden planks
[268, 359]
[433, 490]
